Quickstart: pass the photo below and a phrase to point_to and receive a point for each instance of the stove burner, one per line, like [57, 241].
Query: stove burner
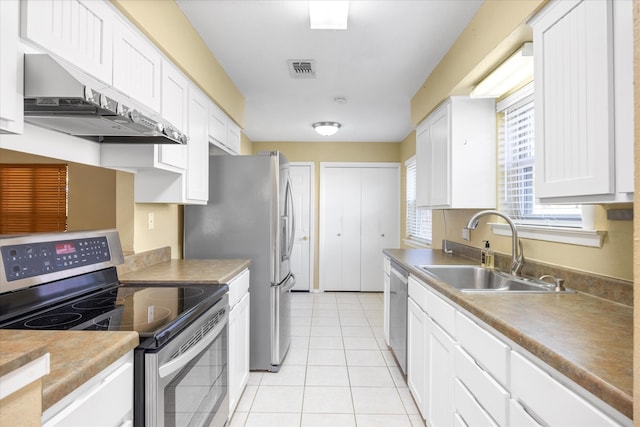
[155, 315]
[93, 303]
[52, 320]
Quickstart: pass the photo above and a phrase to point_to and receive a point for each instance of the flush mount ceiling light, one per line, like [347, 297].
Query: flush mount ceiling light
[328, 15]
[326, 128]
[514, 70]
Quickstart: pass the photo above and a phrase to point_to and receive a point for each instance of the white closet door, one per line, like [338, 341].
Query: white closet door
[341, 235]
[379, 223]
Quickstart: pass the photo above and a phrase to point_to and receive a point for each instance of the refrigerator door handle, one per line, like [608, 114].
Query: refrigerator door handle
[291, 282]
[289, 213]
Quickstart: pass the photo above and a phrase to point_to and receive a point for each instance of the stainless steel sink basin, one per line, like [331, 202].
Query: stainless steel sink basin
[471, 278]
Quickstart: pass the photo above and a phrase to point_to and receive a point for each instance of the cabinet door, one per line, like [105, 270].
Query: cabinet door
[550, 400]
[416, 353]
[387, 283]
[433, 159]
[217, 124]
[439, 141]
[197, 173]
[440, 377]
[379, 222]
[574, 106]
[233, 137]
[238, 350]
[115, 388]
[79, 31]
[174, 109]
[136, 67]
[11, 103]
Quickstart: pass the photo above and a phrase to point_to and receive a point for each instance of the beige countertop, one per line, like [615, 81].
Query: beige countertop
[586, 338]
[75, 356]
[213, 271]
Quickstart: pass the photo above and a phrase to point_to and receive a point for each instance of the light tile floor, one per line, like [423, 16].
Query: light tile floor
[339, 371]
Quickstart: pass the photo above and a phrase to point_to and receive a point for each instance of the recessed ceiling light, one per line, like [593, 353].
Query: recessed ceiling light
[326, 128]
[340, 100]
[328, 15]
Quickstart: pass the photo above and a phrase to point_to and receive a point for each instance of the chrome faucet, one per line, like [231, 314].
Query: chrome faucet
[517, 257]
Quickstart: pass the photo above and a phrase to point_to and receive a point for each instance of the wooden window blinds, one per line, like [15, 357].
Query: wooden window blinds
[33, 198]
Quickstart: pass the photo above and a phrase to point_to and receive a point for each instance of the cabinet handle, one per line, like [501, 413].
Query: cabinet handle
[382, 235]
[338, 234]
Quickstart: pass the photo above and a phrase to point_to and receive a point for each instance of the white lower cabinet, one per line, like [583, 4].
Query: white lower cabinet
[104, 400]
[550, 401]
[239, 323]
[440, 376]
[416, 354]
[491, 396]
[386, 267]
[429, 359]
[463, 373]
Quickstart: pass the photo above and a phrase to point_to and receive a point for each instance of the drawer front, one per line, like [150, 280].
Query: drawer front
[238, 288]
[487, 350]
[442, 313]
[493, 398]
[418, 293]
[550, 400]
[468, 408]
[519, 417]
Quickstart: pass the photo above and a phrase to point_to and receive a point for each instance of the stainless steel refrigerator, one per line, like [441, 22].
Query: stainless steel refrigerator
[250, 215]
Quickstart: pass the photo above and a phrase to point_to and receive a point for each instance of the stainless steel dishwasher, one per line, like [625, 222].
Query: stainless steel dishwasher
[398, 297]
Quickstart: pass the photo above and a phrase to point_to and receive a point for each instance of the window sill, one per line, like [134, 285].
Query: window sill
[416, 244]
[572, 236]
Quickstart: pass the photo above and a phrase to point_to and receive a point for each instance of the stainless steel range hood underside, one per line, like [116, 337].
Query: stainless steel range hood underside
[63, 99]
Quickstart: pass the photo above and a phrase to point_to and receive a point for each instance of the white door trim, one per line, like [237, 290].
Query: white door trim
[323, 167]
[312, 219]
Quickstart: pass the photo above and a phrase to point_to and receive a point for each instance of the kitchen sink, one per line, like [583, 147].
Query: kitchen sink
[471, 278]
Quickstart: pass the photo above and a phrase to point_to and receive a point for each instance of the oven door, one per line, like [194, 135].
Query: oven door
[186, 380]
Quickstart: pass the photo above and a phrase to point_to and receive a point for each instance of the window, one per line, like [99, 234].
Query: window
[33, 198]
[418, 219]
[516, 159]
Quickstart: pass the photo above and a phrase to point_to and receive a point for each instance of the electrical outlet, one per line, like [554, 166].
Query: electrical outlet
[466, 234]
[151, 221]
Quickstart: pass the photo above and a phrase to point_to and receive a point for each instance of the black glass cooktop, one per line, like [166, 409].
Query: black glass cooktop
[151, 311]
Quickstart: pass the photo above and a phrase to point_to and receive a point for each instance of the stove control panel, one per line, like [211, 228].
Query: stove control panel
[35, 259]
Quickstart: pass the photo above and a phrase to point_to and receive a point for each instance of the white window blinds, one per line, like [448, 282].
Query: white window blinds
[418, 219]
[516, 159]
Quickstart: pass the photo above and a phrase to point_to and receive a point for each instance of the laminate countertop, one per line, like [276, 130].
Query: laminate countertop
[75, 356]
[586, 338]
[203, 271]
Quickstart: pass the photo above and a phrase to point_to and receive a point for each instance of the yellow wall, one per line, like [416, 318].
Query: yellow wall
[407, 150]
[496, 30]
[92, 191]
[330, 152]
[636, 220]
[165, 24]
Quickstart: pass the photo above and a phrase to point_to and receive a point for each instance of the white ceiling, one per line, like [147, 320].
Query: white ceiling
[378, 64]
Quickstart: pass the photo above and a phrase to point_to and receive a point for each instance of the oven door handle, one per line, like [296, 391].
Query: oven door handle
[176, 364]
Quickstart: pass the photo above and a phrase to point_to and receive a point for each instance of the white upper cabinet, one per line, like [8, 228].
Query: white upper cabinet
[583, 54]
[223, 132]
[197, 179]
[174, 109]
[11, 103]
[136, 66]
[78, 31]
[455, 155]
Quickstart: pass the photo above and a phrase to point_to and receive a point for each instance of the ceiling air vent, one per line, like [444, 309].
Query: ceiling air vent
[302, 69]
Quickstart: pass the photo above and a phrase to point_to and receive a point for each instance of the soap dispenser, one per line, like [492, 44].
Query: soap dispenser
[486, 255]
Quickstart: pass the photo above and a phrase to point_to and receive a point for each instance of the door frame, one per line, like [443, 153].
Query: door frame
[312, 220]
[327, 165]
